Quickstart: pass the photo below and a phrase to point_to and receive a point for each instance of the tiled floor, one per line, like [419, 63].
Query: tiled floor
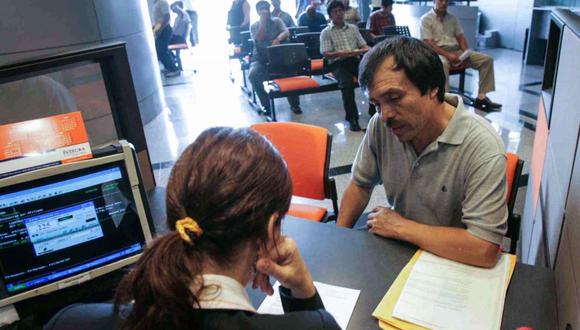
[209, 98]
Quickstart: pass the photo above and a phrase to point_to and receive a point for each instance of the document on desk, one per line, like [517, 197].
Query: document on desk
[338, 301]
[444, 294]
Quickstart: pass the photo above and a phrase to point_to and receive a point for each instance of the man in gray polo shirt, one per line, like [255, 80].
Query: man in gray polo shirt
[443, 168]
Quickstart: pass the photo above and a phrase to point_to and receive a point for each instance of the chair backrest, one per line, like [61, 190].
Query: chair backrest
[398, 30]
[297, 30]
[308, 167]
[513, 173]
[288, 59]
[246, 42]
[312, 42]
[366, 34]
[235, 37]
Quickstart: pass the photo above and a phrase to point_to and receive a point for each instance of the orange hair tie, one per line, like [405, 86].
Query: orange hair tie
[188, 225]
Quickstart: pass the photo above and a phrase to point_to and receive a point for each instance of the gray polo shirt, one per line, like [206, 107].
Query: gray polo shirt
[458, 181]
[443, 33]
[272, 29]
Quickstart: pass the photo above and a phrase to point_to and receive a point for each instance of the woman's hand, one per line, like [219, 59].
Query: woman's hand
[282, 260]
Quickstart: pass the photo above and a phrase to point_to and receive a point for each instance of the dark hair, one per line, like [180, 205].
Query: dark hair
[230, 181]
[333, 4]
[386, 3]
[262, 4]
[420, 63]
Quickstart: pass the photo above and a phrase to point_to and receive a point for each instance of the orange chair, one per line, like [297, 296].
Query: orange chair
[513, 174]
[308, 167]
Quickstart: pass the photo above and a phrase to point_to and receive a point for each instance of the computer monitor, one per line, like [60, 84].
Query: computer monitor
[64, 225]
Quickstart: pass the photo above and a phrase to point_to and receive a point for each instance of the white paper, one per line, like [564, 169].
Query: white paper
[465, 54]
[338, 301]
[444, 294]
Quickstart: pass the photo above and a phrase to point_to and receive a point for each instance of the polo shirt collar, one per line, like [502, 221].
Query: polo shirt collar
[455, 131]
[332, 26]
[435, 14]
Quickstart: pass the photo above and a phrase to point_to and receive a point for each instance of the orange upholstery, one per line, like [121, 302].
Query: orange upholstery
[310, 212]
[296, 83]
[306, 167]
[511, 164]
[178, 46]
[316, 65]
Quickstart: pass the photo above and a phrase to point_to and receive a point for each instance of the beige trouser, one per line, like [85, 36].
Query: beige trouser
[482, 62]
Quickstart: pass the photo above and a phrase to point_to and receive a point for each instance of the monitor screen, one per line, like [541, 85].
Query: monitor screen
[59, 226]
[67, 89]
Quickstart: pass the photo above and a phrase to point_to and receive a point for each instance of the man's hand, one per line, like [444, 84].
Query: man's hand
[282, 260]
[453, 59]
[276, 41]
[385, 222]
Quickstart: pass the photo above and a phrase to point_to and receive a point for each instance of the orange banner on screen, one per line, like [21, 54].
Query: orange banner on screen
[42, 142]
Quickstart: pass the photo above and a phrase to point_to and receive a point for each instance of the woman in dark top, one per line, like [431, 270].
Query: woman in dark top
[226, 197]
[239, 14]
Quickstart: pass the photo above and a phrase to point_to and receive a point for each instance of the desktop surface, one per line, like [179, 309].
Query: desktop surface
[366, 262]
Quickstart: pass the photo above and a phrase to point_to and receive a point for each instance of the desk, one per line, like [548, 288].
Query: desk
[359, 260]
[363, 261]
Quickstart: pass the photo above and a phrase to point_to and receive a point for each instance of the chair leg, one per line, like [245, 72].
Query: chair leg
[462, 82]
[273, 108]
[178, 56]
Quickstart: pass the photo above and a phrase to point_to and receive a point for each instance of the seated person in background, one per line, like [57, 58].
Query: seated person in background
[181, 25]
[266, 32]
[284, 16]
[226, 198]
[351, 15]
[442, 31]
[342, 44]
[381, 18]
[163, 32]
[442, 167]
[239, 14]
[313, 19]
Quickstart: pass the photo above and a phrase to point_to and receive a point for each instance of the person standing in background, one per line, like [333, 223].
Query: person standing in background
[191, 10]
[239, 14]
[284, 16]
[351, 14]
[163, 32]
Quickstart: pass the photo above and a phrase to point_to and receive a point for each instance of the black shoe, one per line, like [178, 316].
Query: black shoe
[296, 110]
[486, 104]
[353, 125]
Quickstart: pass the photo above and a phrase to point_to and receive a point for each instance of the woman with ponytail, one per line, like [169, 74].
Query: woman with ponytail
[226, 197]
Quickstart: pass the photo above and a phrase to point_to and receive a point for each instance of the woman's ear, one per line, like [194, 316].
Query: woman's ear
[273, 227]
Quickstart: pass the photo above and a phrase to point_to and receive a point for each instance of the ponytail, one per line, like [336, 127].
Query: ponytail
[160, 286]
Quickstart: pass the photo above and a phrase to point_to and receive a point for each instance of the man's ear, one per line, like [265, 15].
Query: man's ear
[433, 93]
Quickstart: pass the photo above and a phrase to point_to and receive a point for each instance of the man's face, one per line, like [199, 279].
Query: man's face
[337, 15]
[264, 12]
[388, 9]
[400, 103]
[440, 6]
